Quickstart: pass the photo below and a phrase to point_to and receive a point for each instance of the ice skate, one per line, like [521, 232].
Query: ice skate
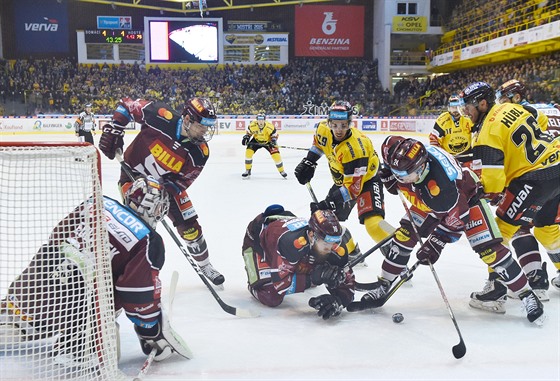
[538, 280]
[212, 274]
[352, 257]
[284, 174]
[556, 281]
[533, 307]
[246, 174]
[380, 290]
[492, 298]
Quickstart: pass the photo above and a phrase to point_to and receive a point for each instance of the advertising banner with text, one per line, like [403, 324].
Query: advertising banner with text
[329, 31]
[41, 26]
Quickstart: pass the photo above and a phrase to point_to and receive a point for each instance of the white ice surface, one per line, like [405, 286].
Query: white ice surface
[290, 342]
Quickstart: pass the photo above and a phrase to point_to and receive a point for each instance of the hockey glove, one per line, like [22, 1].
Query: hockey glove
[245, 139]
[388, 179]
[326, 204]
[111, 140]
[431, 249]
[305, 170]
[493, 198]
[327, 305]
[273, 143]
[328, 274]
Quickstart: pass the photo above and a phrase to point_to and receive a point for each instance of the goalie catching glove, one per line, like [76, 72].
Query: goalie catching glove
[327, 305]
[163, 338]
[111, 140]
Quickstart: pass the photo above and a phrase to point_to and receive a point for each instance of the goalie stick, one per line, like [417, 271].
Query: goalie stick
[152, 355]
[460, 349]
[226, 307]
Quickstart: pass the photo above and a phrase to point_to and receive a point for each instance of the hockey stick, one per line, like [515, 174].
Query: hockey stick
[298, 148]
[362, 256]
[226, 307]
[361, 306]
[148, 363]
[308, 185]
[460, 349]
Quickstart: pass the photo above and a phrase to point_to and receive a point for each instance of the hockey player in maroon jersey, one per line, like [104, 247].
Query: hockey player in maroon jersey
[285, 254]
[445, 203]
[50, 298]
[173, 148]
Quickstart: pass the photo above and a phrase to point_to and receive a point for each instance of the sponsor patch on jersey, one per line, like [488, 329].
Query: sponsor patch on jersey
[433, 188]
[300, 242]
[126, 218]
[165, 113]
[165, 157]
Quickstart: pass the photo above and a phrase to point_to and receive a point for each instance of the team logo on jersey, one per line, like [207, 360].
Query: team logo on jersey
[458, 144]
[165, 157]
[165, 113]
[300, 242]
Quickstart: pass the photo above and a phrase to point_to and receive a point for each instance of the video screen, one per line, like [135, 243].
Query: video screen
[184, 41]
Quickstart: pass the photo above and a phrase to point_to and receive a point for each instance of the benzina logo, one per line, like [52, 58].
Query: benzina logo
[329, 41]
[51, 25]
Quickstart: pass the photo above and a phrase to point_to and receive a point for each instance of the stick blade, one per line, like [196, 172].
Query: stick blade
[459, 350]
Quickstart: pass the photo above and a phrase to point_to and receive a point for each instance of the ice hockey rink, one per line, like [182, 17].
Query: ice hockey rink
[290, 341]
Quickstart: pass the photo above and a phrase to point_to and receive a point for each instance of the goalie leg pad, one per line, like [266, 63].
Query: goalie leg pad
[164, 339]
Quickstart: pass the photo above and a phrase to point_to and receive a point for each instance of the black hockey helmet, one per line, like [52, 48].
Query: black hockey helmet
[509, 89]
[407, 160]
[325, 225]
[476, 92]
[340, 110]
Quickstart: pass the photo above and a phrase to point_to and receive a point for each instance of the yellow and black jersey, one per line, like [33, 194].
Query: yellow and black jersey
[510, 143]
[262, 135]
[454, 136]
[352, 162]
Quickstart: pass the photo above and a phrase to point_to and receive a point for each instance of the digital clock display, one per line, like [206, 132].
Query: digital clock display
[113, 36]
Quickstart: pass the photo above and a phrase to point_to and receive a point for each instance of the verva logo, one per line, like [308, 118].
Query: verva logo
[51, 25]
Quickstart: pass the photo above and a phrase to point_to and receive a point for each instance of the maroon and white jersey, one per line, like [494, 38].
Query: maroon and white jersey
[159, 149]
[287, 251]
[61, 269]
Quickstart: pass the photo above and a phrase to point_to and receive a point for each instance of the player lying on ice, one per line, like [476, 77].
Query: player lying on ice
[285, 254]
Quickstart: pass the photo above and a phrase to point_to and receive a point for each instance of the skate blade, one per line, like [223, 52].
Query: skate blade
[495, 307]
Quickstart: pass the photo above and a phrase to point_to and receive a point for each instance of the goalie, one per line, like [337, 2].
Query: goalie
[51, 298]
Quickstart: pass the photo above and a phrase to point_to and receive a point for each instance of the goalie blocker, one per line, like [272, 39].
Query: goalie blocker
[49, 299]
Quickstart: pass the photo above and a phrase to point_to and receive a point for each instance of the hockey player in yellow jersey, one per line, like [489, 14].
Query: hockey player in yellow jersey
[261, 134]
[452, 132]
[524, 243]
[354, 165]
[520, 170]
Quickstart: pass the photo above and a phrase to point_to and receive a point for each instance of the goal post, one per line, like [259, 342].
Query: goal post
[57, 318]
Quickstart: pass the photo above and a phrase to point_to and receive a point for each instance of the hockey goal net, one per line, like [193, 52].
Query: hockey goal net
[56, 294]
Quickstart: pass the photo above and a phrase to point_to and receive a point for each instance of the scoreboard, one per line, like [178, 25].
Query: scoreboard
[114, 36]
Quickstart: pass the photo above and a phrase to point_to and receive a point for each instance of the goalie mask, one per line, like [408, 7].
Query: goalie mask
[148, 198]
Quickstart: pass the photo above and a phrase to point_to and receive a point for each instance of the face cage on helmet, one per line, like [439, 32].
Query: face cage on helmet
[208, 135]
[406, 177]
[500, 95]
